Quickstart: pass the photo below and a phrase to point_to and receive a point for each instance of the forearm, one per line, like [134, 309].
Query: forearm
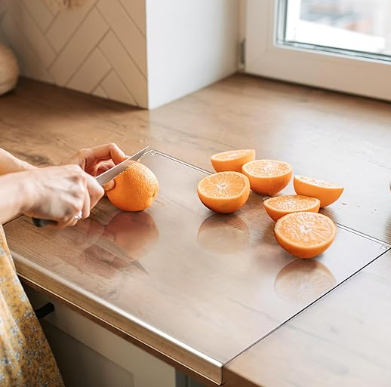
[13, 196]
[11, 164]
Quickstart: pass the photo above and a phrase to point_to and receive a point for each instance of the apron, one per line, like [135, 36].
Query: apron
[25, 356]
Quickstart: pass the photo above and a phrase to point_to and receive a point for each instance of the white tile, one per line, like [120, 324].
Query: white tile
[125, 29]
[92, 71]
[136, 10]
[129, 73]
[66, 23]
[39, 12]
[115, 89]
[29, 29]
[52, 6]
[28, 60]
[80, 46]
[99, 92]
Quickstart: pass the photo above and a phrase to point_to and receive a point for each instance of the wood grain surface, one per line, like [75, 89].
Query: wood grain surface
[326, 135]
[229, 300]
[343, 340]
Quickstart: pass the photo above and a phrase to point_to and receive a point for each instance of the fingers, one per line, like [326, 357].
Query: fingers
[104, 166]
[106, 152]
[62, 193]
[87, 193]
[109, 186]
[95, 191]
[89, 159]
[79, 203]
[85, 212]
[68, 221]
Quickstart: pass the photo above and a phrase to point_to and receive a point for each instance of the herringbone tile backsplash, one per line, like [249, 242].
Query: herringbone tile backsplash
[97, 48]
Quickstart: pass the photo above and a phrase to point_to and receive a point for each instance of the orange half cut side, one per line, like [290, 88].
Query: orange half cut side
[280, 206]
[268, 177]
[326, 192]
[224, 192]
[305, 234]
[232, 160]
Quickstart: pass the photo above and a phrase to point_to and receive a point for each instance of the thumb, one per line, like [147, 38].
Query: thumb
[109, 186]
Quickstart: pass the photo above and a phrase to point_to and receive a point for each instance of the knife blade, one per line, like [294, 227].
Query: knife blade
[112, 173]
[102, 179]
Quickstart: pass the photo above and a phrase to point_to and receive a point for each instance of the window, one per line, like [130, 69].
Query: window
[342, 45]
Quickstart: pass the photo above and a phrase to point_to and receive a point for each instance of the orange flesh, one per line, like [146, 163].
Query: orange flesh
[306, 230]
[282, 205]
[232, 160]
[305, 234]
[268, 177]
[292, 202]
[326, 192]
[230, 155]
[222, 185]
[224, 192]
[267, 168]
[320, 183]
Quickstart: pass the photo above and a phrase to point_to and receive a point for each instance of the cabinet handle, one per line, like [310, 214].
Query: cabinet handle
[45, 310]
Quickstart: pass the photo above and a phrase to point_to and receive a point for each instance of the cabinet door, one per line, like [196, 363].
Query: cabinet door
[89, 355]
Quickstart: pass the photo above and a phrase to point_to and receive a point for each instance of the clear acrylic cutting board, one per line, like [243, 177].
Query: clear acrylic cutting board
[211, 284]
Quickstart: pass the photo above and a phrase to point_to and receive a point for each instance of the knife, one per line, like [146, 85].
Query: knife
[102, 179]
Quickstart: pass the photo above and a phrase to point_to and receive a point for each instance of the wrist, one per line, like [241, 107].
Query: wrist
[25, 166]
[11, 164]
[26, 196]
[15, 197]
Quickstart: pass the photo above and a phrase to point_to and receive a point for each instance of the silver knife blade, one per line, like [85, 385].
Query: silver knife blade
[112, 173]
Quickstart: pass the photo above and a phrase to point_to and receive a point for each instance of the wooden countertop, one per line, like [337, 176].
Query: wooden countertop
[322, 134]
[342, 340]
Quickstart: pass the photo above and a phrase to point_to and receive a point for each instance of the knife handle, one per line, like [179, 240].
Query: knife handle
[43, 222]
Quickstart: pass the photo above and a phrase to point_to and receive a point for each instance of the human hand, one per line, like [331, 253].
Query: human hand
[99, 159]
[59, 193]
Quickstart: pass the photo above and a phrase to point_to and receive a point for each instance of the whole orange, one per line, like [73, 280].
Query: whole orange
[135, 189]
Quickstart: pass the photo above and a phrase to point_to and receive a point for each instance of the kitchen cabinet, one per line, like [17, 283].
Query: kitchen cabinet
[90, 355]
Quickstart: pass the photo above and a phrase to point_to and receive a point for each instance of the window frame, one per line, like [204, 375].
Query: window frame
[327, 69]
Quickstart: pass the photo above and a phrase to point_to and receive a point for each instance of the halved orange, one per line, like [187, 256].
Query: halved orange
[224, 192]
[268, 177]
[232, 160]
[282, 205]
[305, 234]
[326, 192]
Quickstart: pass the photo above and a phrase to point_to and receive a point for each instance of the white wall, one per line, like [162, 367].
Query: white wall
[190, 44]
